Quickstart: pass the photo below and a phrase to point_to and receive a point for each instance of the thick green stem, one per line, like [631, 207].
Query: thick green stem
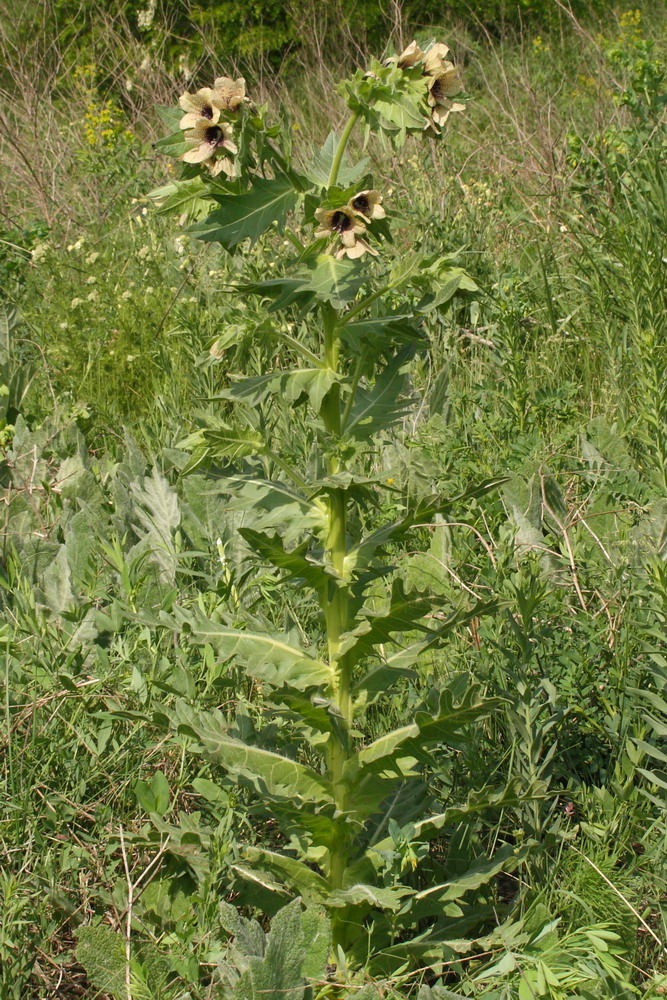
[335, 607]
[340, 149]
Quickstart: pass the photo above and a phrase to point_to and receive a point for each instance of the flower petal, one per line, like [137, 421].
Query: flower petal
[410, 55]
[435, 57]
[203, 152]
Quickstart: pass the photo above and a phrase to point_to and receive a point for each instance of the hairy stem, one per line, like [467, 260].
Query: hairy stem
[335, 608]
[340, 148]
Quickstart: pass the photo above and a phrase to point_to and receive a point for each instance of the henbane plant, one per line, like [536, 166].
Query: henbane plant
[347, 317]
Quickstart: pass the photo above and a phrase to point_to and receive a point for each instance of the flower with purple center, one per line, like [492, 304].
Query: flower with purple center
[345, 224]
[214, 146]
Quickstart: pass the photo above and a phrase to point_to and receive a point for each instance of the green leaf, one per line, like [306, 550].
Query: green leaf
[404, 614]
[383, 404]
[455, 706]
[275, 505]
[279, 973]
[334, 281]
[160, 790]
[101, 951]
[319, 170]
[295, 563]
[178, 197]
[270, 658]
[400, 114]
[232, 442]
[250, 938]
[295, 874]
[173, 144]
[248, 215]
[380, 331]
[483, 800]
[315, 382]
[359, 558]
[446, 286]
[144, 796]
[169, 115]
[431, 900]
[370, 895]
[270, 773]
[380, 679]
[316, 928]
[283, 291]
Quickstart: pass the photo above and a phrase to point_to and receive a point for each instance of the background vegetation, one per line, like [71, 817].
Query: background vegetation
[116, 329]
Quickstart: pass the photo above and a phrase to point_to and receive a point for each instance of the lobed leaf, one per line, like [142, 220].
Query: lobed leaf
[270, 772]
[248, 215]
[267, 657]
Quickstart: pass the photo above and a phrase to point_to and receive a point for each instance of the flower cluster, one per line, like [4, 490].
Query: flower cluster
[348, 223]
[207, 125]
[443, 78]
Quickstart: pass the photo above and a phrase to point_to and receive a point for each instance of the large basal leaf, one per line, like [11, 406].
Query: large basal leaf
[248, 215]
[270, 658]
[250, 938]
[57, 583]
[268, 772]
[157, 509]
[279, 973]
[383, 404]
[317, 940]
[101, 951]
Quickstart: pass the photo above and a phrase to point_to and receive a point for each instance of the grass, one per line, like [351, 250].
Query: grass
[551, 191]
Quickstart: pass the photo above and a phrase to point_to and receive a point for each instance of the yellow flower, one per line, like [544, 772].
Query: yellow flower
[410, 56]
[435, 59]
[229, 93]
[343, 222]
[208, 103]
[368, 205]
[358, 250]
[213, 147]
[441, 89]
[203, 106]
